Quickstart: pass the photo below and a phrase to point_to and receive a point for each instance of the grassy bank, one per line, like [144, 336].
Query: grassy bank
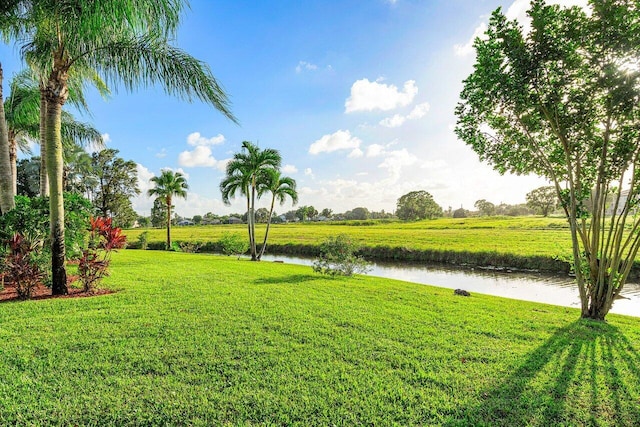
[210, 340]
[524, 243]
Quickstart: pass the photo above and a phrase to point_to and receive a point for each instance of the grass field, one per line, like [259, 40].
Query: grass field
[523, 236]
[206, 340]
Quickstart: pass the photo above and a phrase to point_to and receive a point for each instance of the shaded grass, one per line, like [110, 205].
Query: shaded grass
[210, 340]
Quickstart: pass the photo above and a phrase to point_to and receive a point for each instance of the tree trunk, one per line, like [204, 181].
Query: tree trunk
[56, 95]
[44, 177]
[252, 223]
[7, 195]
[266, 233]
[168, 223]
[13, 159]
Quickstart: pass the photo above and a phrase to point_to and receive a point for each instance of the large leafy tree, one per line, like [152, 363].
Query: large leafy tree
[167, 186]
[562, 101]
[543, 199]
[246, 175]
[123, 41]
[281, 187]
[417, 205]
[116, 182]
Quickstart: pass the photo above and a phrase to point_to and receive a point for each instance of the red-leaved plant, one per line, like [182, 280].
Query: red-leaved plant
[93, 265]
[21, 268]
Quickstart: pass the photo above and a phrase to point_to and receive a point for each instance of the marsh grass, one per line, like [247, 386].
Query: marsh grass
[195, 339]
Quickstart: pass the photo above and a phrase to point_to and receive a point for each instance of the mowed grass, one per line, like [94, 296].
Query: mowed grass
[524, 236]
[204, 340]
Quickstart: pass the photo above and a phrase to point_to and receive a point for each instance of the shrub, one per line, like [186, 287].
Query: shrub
[22, 266]
[190, 247]
[94, 263]
[233, 244]
[337, 257]
[31, 215]
[143, 240]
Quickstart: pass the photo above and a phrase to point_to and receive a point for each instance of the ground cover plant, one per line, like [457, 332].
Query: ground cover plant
[194, 339]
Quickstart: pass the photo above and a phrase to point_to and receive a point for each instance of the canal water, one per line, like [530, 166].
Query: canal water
[545, 288]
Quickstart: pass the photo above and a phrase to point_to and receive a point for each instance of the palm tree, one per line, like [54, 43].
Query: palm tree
[280, 188]
[22, 110]
[122, 40]
[10, 26]
[168, 185]
[246, 173]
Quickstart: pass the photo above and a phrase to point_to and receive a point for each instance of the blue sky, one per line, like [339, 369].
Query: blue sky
[358, 96]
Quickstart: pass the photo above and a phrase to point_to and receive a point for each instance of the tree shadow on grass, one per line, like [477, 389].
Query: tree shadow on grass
[290, 279]
[587, 373]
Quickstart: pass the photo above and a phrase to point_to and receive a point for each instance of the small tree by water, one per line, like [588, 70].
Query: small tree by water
[338, 257]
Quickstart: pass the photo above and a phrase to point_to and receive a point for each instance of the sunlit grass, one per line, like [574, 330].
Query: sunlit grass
[210, 340]
[524, 236]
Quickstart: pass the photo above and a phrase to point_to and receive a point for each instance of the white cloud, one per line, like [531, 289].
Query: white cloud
[340, 140]
[162, 153]
[375, 150]
[370, 96]
[305, 66]
[196, 139]
[419, 111]
[396, 161]
[518, 11]
[393, 122]
[398, 120]
[467, 48]
[200, 157]
[309, 172]
[289, 169]
[221, 165]
[143, 203]
[106, 138]
[356, 152]
[144, 175]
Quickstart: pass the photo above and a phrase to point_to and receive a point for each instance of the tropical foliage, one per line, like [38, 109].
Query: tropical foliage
[112, 40]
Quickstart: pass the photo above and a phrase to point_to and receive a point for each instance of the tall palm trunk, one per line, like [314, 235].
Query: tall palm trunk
[252, 223]
[56, 96]
[266, 233]
[248, 220]
[7, 195]
[13, 159]
[44, 178]
[168, 222]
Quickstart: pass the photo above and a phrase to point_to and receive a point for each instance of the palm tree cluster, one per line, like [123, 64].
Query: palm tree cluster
[82, 41]
[253, 172]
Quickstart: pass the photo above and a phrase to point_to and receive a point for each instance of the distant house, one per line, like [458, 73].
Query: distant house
[185, 222]
[234, 220]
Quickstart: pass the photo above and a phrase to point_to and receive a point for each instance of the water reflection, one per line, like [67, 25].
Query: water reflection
[549, 289]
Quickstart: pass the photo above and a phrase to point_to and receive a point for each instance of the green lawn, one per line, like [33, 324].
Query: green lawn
[209, 340]
[523, 236]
